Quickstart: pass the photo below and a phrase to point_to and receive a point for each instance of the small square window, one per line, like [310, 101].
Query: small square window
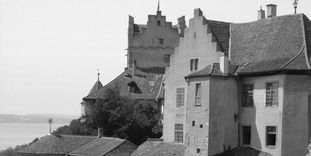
[161, 41]
[198, 150]
[167, 58]
[193, 123]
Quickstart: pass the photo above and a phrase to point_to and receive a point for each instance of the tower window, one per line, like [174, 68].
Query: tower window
[159, 23]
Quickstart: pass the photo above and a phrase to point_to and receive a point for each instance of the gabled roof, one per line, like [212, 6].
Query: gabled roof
[99, 146]
[148, 83]
[272, 44]
[156, 148]
[56, 144]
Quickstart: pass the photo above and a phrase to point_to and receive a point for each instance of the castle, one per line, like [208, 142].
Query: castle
[220, 85]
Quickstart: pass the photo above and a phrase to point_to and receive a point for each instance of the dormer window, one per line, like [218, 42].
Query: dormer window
[159, 23]
[133, 88]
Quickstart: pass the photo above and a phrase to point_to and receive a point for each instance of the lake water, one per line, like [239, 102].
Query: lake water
[12, 134]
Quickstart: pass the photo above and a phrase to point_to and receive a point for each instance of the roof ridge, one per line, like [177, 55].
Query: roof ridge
[293, 58]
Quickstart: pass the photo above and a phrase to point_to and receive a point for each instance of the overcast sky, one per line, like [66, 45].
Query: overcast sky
[50, 49]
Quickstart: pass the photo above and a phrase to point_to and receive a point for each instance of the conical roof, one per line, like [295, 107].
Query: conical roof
[97, 86]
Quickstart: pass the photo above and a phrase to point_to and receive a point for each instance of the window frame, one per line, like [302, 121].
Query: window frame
[274, 133]
[271, 94]
[179, 94]
[198, 95]
[194, 64]
[245, 96]
[178, 133]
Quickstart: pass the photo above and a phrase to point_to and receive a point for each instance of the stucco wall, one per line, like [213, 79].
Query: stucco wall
[189, 47]
[223, 122]
[296, 115]
[197, 137]
[259, 116]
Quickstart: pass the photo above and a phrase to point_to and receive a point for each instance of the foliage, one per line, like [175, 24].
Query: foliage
[134, 120]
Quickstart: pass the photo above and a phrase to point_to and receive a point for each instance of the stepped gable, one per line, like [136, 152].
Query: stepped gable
[271, 44]
[148, 84]
[56, 144]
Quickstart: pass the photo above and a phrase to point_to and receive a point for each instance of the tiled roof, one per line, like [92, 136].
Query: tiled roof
[213, 70]
[60, 144]
[99, 146]
[97, 86]
[221, 31]
[148, 84]
[156, 148]
[244, 151]
[271, 44]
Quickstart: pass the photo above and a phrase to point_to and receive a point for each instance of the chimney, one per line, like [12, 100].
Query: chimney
[198, 12]
[261, 14]
[271, 10]
[134, 68]
[224, 64]
[181, 25]
[100, 132]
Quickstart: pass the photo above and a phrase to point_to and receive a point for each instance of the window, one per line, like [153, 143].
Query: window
[194, 64]
[197, 94]
[167, 58]
[161, 41]
[272, 94]
[180, 97]
[271, 135]
[198, 150]
[194, 35]
[247, 95]
[179, 133]
[159, 23]
[201, 126]
[193, 123]
[246, 130]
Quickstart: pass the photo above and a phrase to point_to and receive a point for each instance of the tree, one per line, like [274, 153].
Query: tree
[119, 116]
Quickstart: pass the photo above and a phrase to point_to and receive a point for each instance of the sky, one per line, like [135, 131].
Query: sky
[50, 50]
